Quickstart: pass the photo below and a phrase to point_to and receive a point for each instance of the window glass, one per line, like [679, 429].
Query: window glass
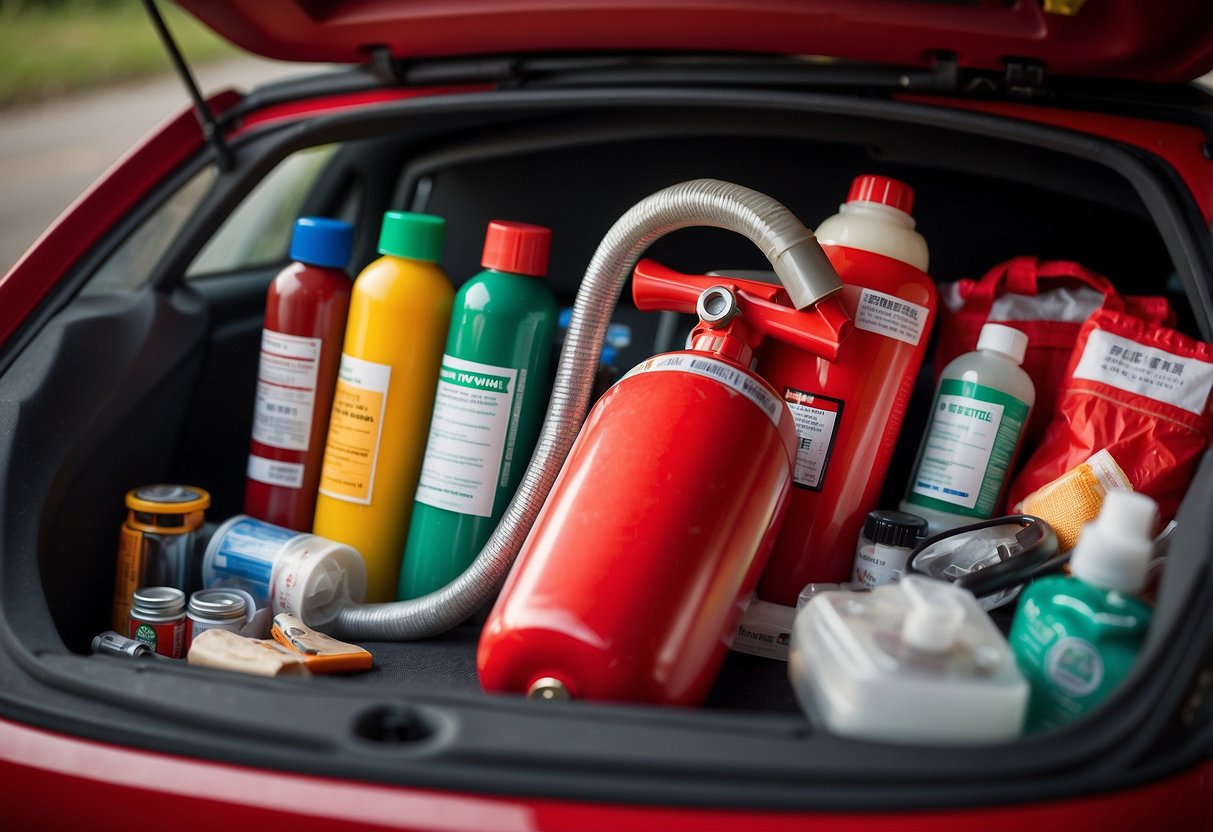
[258, 233]
[130, 266]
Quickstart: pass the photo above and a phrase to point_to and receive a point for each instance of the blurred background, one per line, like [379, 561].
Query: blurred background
[81, 81]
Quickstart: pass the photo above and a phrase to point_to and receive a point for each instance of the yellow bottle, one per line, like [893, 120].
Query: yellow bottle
[399, 313]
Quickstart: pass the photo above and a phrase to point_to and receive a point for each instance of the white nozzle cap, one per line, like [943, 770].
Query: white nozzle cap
[934, 618]
[1115, 548]
[1007, 340]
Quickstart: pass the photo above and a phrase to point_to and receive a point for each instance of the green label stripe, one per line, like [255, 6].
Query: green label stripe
[474, 380]
[1013, 408]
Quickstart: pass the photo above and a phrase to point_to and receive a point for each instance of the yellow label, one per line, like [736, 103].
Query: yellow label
[356, 424]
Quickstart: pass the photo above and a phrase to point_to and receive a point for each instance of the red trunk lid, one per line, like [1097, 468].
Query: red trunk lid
[1149, 40]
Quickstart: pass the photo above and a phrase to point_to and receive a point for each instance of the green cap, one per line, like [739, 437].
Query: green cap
[415, 236]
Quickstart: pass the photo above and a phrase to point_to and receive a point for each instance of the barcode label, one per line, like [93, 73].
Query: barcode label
[1183, 381]
[726, 374]
[891, 316]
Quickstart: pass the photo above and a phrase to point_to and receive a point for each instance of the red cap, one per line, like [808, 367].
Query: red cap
[882, 189]
[517, 247]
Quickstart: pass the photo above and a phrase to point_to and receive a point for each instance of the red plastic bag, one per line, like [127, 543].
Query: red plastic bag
[1048, 300]
[1138, 390]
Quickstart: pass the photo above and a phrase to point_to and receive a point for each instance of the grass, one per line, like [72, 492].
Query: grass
[49, 50]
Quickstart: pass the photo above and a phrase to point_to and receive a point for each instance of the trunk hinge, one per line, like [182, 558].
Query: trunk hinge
[206, 119]
[1024, 78]
[385, 67]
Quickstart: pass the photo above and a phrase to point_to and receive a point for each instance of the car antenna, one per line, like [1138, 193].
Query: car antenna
[206, 119]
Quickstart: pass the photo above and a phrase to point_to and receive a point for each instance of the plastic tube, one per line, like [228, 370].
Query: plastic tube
[797, 259]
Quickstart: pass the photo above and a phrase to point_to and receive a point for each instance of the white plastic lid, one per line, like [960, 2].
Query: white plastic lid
[315, 578]
[935, 616]
[1007, 340]
[1114, 549]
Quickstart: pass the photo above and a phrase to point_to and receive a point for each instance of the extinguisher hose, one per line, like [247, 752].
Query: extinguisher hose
[798, 261]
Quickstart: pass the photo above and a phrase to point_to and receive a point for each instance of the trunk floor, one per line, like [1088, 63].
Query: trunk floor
[447, 663]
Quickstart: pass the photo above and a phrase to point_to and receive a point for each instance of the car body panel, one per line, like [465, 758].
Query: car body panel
[1112, 38]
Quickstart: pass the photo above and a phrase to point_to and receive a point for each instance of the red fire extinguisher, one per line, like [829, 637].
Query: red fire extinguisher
[655, 532]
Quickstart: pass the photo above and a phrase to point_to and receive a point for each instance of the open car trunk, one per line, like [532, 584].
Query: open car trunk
[141, 368]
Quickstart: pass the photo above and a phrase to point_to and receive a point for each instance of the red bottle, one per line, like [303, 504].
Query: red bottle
[636, 570]
[305, 314]
[849, 412]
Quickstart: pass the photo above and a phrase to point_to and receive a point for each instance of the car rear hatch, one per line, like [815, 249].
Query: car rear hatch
[107, 389]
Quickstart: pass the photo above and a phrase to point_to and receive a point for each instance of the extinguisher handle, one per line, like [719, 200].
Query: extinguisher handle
[657, 287]
[765, 307]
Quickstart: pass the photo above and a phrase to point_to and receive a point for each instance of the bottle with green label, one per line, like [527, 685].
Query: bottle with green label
[1075, 638]
[492, 392]
[978, 417]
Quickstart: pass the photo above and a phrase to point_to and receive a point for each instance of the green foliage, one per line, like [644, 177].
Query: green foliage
[51, 47]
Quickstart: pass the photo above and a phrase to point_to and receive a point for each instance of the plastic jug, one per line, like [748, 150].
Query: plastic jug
[849, 411]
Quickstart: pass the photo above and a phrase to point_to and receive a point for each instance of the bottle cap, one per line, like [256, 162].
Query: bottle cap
[517, 247]
[882, 190]
[894, 528]
[167, 499]
[1114, 549]
[935, 616]
[319, 241]
[411, 235]
[1008, 340]
[159, 599]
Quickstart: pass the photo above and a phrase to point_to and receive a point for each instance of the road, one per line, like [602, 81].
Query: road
[51, 152]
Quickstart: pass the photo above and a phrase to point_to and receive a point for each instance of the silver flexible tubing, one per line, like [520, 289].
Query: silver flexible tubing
[798, 261]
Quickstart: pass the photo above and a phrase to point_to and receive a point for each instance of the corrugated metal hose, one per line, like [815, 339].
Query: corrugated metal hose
[799, 262]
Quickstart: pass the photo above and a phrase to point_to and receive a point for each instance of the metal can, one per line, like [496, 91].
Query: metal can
[215, 609]
[157, 544]
[158, 619]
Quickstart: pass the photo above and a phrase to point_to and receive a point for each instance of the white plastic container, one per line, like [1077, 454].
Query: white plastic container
[876, 217]
[978, 417]
[918, 662]
[306, 575]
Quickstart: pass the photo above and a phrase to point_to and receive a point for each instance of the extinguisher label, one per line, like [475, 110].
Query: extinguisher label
[726, 374]
[352, 449]
[891, 316]
[816, 426]
[475, 422]
[286, 390]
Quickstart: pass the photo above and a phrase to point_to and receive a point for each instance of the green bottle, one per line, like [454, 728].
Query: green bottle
[492, 392]
[1075, 638]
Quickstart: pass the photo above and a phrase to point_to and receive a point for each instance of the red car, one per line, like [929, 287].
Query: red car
[129, 338]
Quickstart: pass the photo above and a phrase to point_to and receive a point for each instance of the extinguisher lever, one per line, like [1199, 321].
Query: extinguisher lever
[764, 307]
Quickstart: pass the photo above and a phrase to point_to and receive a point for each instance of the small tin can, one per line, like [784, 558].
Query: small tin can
[157, 545]
[158, 619]
[215, 609]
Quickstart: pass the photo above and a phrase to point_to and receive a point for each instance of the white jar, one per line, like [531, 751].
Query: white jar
[917, 661]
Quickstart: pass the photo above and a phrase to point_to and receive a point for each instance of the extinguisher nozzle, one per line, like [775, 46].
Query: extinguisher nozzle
[806, 273]
[548, 689]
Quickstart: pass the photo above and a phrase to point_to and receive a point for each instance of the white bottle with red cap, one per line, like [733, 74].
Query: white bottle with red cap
[876, 217]
[849, 412]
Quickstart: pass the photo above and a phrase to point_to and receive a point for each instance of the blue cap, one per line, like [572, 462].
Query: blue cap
[319, 241]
